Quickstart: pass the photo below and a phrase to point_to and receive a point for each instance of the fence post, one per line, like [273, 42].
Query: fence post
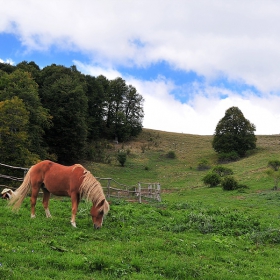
[139, 192]
[108, 188]
[158, 192]
[150, 190]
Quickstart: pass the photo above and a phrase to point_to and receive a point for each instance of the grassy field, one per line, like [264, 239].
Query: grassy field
[196, 232]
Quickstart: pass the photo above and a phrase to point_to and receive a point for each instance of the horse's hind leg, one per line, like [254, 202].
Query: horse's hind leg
[33, 199]
[46, 198]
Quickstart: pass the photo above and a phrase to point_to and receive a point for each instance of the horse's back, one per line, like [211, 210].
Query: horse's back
[58, 179]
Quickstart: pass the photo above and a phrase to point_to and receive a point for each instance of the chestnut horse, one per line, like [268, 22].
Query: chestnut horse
[73, 181]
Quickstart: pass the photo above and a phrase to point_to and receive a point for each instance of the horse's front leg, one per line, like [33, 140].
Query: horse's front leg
[33, 199]
[46, 199]
[75, 202]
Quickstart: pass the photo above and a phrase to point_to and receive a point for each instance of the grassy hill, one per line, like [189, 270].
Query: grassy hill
[196, 232]
[147, 160]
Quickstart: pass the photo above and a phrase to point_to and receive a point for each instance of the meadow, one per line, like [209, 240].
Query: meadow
[195, 232]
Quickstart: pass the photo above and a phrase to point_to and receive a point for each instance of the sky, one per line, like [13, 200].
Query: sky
[191, 60]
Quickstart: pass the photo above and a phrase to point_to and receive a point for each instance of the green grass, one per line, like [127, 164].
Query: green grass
[194, 233]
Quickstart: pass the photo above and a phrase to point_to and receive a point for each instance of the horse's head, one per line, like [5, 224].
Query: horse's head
[97, 213]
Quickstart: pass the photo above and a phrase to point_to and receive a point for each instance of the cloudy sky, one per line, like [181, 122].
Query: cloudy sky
[191, 60]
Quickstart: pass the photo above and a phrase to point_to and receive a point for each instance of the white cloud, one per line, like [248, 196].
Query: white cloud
[95, 70]
[237, 38]
[8, 60]
[202, 114]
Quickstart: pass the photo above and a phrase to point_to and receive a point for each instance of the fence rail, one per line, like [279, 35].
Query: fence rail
[140, 191]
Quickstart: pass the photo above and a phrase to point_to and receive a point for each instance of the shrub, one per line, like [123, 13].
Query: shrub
[229, 183]
[227, 157]
[211, 179]
[274, 164]
[203, 165]
[121, 157]
[171, 154]
[222, 171]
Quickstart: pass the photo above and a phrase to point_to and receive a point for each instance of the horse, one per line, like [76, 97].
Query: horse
[73, 181]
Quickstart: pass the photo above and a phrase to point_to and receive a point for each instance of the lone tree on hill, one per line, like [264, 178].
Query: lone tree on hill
[234, 134]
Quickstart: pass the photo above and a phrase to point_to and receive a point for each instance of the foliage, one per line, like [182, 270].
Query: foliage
[203, 165]
[211, 179]
[274, 164]
[171, 155]
[121, 157]
[68, 110]
[63, 94]
[228, 157]
[21, 84]
[275, 175]
[222, 171]
[234, 133]
[229, 183]
[14, 140]
[124, 112]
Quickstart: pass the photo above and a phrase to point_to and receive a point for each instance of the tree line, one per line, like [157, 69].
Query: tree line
[57, 112]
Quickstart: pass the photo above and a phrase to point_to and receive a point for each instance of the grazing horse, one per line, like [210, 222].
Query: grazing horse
[73, 181]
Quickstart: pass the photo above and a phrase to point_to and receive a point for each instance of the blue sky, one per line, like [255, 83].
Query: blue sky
[190, 59]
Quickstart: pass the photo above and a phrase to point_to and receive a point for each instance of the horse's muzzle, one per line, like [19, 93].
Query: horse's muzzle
[97, 227]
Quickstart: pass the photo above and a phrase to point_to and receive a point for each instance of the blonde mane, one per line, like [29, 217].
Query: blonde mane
[91, 190]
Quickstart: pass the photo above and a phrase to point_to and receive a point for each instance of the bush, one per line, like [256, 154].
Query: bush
[274, 164]
[227, 157]
[121, 157]
[229, 183]
[211, 179]
[222, 171]
[171, 154]
[203, 165]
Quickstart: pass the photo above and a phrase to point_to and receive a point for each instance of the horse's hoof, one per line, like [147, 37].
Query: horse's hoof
[73, 224]
[33, 216]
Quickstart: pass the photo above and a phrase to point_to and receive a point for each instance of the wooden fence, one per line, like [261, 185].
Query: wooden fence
[140, 191]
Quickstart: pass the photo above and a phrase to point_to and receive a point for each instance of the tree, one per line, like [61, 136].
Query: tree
[63, 93]
[30, 67]
[134, 113]
[96, 106]
[124, 110]
[234, 133]
[7, 67]
[21, 84]
[14, 140]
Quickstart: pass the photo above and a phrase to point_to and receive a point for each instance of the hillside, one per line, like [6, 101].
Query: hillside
[147, 160]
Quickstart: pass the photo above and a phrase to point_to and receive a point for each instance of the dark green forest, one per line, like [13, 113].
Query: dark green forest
[58, 113]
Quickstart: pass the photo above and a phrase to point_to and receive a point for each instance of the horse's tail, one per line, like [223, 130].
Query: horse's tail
[19, 195]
